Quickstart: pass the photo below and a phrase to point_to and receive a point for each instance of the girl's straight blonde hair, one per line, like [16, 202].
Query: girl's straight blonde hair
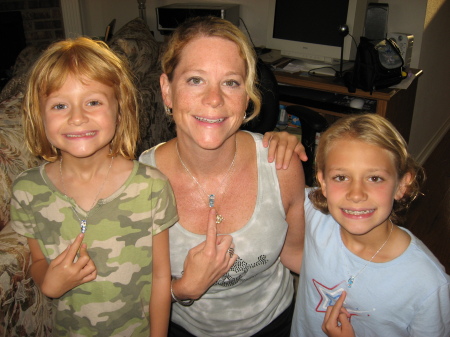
[85, 59]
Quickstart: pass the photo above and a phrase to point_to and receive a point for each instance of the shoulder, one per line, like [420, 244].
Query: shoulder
[421, 256]
[31, 175]
[147, 171]
[148, 156]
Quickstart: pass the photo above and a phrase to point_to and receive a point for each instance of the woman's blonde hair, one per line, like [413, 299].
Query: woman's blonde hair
[85, 59]
[208, 26]
[375, 130]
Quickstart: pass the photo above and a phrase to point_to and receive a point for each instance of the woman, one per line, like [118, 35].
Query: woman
[236, 282]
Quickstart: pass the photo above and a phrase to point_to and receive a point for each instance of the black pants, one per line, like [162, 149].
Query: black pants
[279, 327]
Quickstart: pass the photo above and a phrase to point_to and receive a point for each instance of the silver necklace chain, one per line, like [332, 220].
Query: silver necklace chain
[83, 222]
[351, 280]
[222, 187]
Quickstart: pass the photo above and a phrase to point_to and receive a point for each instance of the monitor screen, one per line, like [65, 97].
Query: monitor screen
[309, 29]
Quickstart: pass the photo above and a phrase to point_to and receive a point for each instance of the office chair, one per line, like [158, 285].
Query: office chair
[312, 122]
[268, 87]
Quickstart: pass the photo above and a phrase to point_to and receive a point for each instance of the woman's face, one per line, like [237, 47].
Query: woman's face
[207, 93]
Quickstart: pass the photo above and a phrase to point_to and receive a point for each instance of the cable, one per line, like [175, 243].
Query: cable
[248, 33]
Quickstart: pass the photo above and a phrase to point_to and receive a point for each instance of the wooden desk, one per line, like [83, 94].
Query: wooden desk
[397, 105]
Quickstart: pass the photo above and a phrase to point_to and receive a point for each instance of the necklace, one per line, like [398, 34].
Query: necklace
[351, 280]
[211, 197]
[83, 222]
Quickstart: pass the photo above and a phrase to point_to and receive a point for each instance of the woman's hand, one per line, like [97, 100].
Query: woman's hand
[205, 263]
[337, 320]
[282, 146]
[63, 274]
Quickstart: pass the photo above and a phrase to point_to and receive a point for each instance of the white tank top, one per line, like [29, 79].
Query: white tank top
[258, 287]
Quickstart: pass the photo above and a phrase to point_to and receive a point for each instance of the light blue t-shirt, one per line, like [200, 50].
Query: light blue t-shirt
[408, 296]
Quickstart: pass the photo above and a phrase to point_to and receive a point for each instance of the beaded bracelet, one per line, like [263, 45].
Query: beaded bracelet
[185, 303]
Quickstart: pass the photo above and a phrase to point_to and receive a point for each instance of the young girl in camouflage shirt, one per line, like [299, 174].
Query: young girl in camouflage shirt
[95, 218]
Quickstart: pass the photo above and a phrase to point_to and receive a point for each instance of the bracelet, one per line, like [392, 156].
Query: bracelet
[185, 303]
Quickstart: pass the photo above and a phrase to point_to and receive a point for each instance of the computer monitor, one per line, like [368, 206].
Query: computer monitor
[309, 29]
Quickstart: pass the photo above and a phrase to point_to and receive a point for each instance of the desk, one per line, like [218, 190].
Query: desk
[396, 105]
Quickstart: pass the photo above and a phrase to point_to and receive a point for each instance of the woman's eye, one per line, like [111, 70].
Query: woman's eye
[339, 178]
[195, 80]
[59, 106]
[93, 103]
[232, 83]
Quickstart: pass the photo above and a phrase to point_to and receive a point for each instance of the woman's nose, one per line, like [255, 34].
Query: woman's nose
[214, 96]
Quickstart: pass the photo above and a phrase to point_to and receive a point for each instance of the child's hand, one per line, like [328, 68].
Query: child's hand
[64, 274]
[283, 145]
[337, 320]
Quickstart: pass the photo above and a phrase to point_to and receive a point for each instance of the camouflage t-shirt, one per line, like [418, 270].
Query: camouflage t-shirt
[119, 240]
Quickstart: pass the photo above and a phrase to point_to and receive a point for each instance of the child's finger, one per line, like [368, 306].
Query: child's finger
[266, 138]
[74, 248]
[332, 314]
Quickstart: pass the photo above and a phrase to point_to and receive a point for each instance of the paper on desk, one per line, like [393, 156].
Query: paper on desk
[405, 83]
[294, 67]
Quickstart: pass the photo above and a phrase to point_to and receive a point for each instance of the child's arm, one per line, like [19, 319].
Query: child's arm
[337, 322]
[62, 274]
[282, 146]
[160, 300]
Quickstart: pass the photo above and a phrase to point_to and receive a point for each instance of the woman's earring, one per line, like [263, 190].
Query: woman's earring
[245, 116]
[168, 110]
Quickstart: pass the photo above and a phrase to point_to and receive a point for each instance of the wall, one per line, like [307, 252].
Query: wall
[427, 20]
[431, 118]
[97, 14]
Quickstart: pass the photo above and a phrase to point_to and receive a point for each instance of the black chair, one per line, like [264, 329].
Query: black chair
[268, 87]
[312, 122]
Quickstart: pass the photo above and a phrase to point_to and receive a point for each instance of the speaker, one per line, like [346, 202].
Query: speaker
[376, 24]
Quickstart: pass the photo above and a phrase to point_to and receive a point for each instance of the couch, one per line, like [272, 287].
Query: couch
[24, 310]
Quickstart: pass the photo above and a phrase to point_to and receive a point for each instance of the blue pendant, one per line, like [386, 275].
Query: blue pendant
[211, 200]
[83, 225]
[350, 281]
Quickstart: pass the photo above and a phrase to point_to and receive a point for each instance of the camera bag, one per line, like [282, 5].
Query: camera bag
[378, 65]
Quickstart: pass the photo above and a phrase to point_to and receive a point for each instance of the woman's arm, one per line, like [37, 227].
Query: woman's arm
[160, 296]
[292, 185]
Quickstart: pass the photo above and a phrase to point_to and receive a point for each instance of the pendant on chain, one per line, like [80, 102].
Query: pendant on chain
[211, 199]
[83, 225]
[350, 281]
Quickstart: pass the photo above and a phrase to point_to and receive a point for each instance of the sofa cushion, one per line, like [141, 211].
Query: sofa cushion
[23, 64]
[14, 155]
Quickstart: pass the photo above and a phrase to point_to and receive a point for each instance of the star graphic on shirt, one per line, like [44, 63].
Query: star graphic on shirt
[328, 296]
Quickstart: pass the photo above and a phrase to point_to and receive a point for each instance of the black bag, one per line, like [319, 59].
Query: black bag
[378, 65]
